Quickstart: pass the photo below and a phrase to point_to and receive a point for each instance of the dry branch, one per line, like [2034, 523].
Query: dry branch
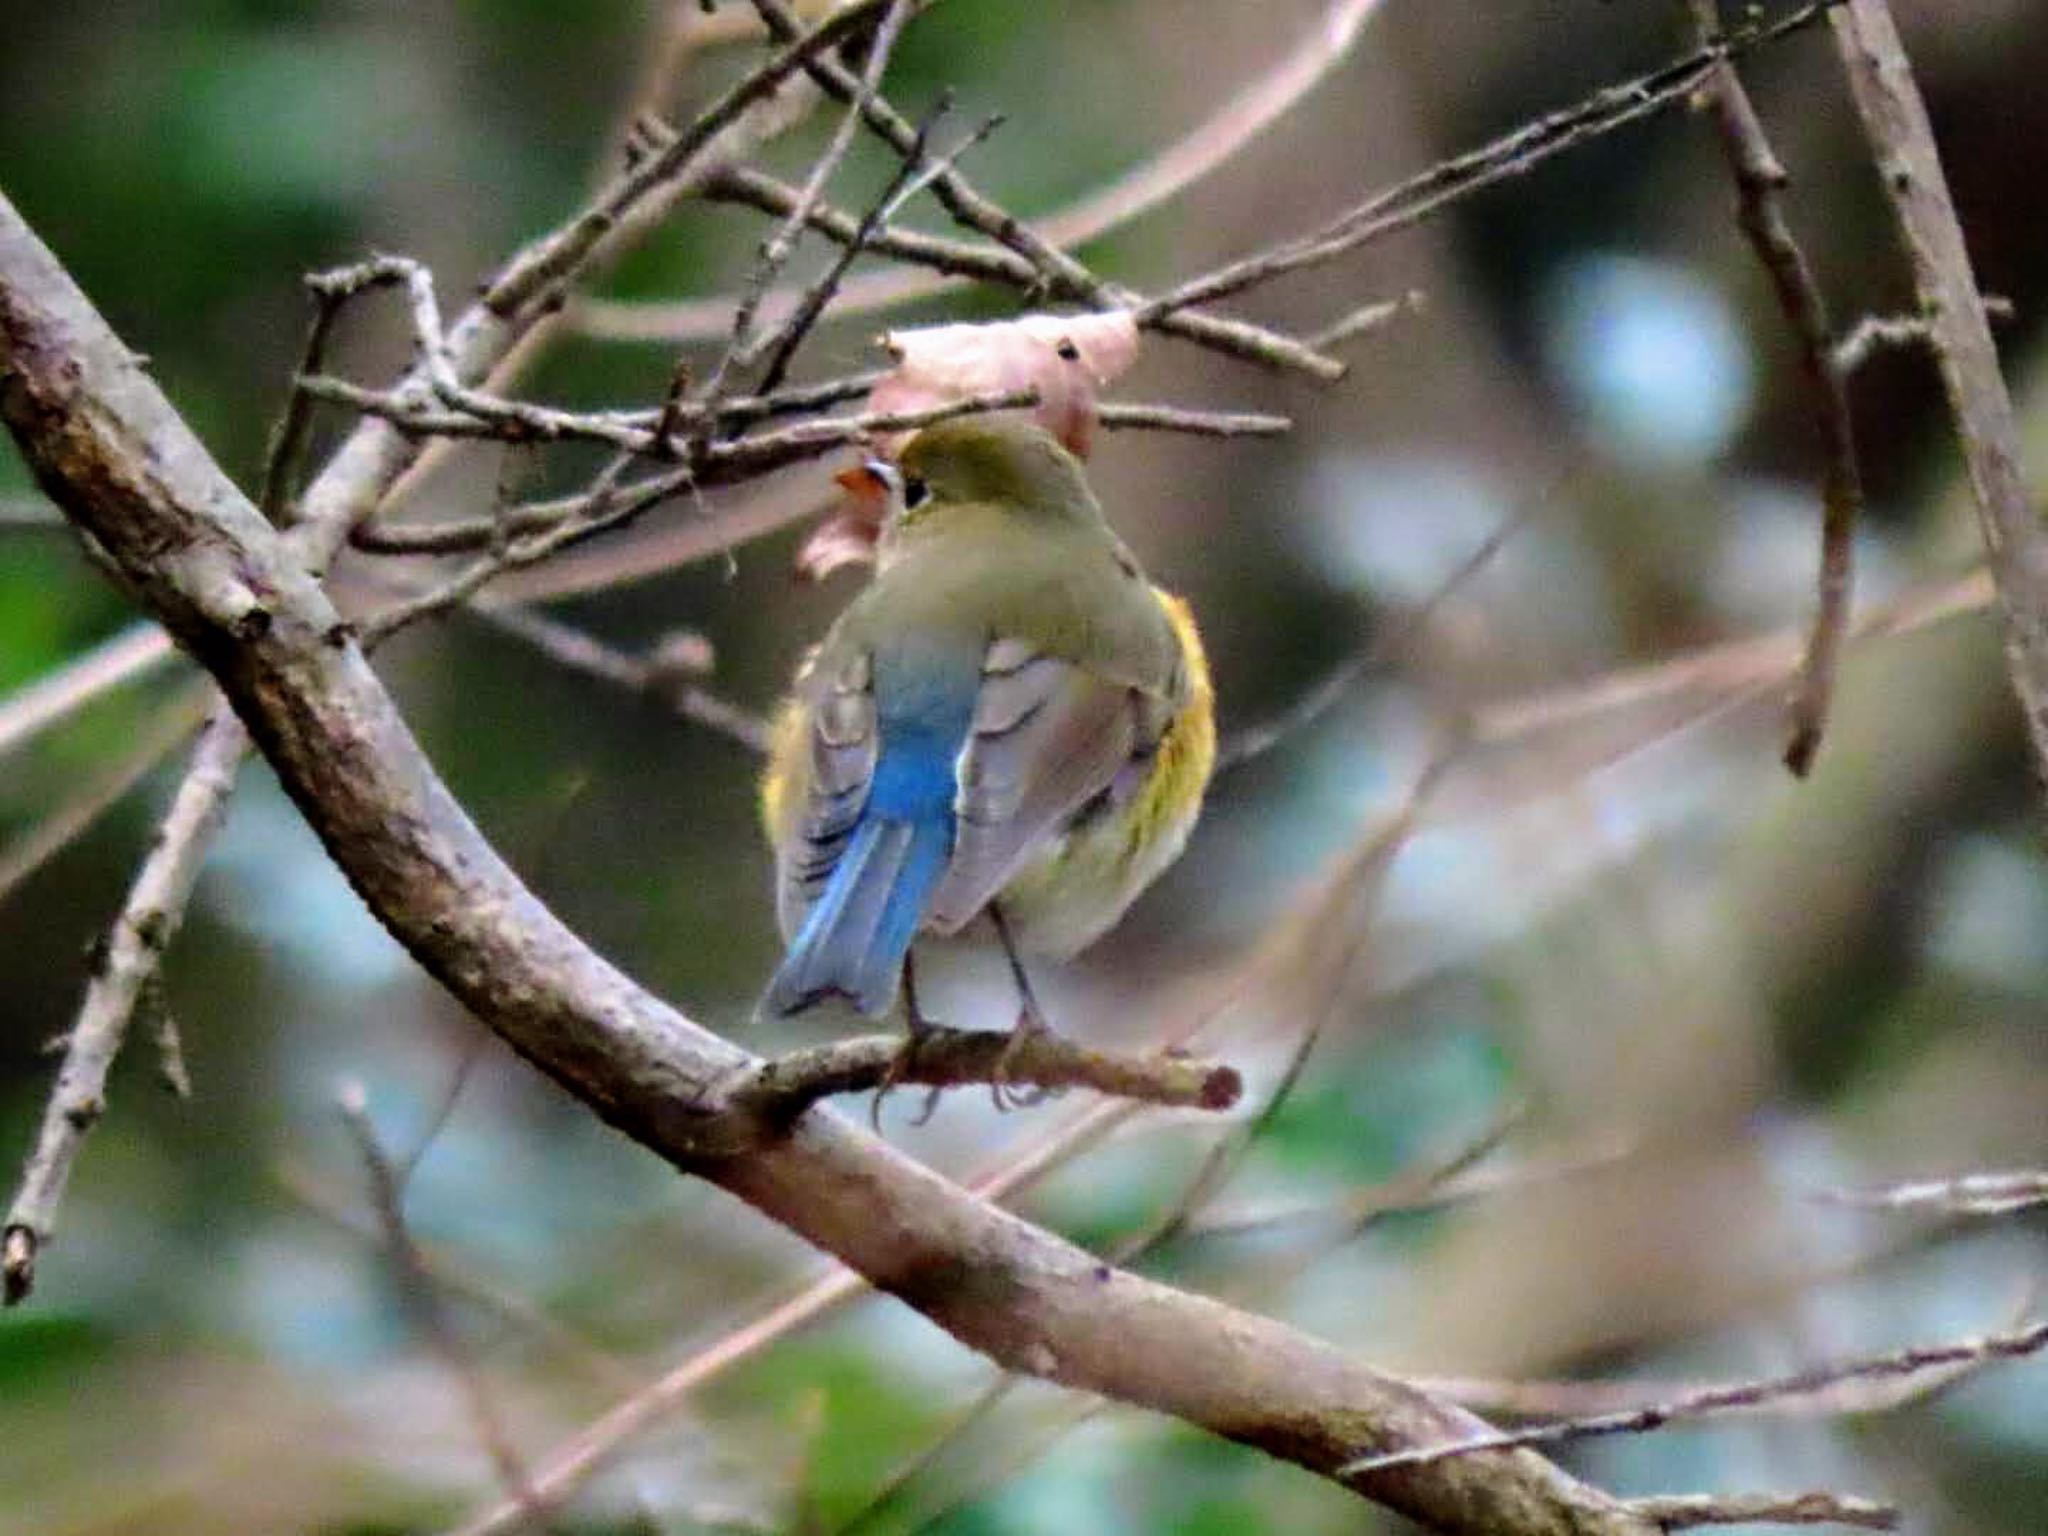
[422, 1299]
[1514, 154]
[125, 468]
[155, 739]
[1204, 149]
[1912, 1369]
[124, 965]
[1970, 1194]
[1959, 332]
[1760, 183]
[1691, 1512]
[781, 1089]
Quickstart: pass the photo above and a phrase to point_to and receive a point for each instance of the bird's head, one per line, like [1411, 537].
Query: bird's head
[1012, 466]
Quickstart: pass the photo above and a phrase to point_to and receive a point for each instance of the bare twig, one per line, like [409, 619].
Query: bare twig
[452, 1275]
[778, 248]
[1723, 674]
[1120, 416]
[423, 1301]
[122, 966]
[611, 504]
[169, 724]
[913, 175]
[1876, 333]
[1255, 741]
[1057, 272]
[1369, 316]
[288, 438]
[538, 274]
[1437, 1182]
[132, 654]
[1691, 1512]
[1902, 141]
[1514, 154]
[29, 513]
[571, 647]
[1210, 145]
[1760, 183]
[1903, 1366]
[1971, 1194]
[782, 1088]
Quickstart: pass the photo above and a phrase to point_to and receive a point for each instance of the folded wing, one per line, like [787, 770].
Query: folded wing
[1047, 739]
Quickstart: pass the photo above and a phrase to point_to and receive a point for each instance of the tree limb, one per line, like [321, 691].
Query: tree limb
[113, 454]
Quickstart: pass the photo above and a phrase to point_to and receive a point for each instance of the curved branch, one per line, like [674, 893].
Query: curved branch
[111, 451]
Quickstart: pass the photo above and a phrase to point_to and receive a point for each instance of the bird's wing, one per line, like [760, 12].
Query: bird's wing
[842, 745]
[1047, 738]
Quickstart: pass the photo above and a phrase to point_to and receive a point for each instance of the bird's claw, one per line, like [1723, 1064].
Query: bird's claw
[899, 1071]
[1030, 1025]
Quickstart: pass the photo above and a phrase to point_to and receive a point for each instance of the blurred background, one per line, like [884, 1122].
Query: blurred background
[1658, 994]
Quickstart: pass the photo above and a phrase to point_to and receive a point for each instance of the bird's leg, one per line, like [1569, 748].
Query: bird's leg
[919, 1026]
[1031, 1021]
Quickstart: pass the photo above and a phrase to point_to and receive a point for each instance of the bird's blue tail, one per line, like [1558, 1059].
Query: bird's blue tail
[854, 940]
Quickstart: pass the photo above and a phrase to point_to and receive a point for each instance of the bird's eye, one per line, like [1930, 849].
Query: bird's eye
[915, 492]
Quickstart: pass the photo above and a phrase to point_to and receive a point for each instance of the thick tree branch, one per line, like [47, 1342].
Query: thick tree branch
[114, 455]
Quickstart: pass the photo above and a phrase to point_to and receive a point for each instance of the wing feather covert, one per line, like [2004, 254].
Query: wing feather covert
[1047, 739]
[843, 748]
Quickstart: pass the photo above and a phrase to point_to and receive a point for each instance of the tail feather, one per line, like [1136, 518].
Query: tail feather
[854, 940]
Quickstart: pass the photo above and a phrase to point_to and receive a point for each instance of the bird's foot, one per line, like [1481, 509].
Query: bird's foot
[1031, 1025]
[921, 1028]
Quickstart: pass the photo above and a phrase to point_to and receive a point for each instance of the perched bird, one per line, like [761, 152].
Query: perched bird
[1010, 719]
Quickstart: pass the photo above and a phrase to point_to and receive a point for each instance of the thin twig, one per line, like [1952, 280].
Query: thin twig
[423, 1302]
[122, 966]
[1876, 333]
[1760, 184]
[1970, 1194]
[610, 504]
[1901, 1366]
[533, 278]
[1448, 181]
[1902, 142]
[779, 247]
[1255, 741]
[1211, 144]
[168, 725]
[30, 514]
[126, 657]
[452, 1274]
[288, 438]
[1057, 272]
[1690, 1512]
[1120, 416]
[912, 176]
[581, 652]
[784, 1087]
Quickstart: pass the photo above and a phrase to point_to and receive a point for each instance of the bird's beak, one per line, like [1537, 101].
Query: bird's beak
[865, 480]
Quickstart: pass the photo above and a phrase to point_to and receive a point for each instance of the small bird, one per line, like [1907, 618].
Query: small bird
[1011, 720]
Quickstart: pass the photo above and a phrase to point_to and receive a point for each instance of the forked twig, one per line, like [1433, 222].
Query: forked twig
[1939, 1360]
